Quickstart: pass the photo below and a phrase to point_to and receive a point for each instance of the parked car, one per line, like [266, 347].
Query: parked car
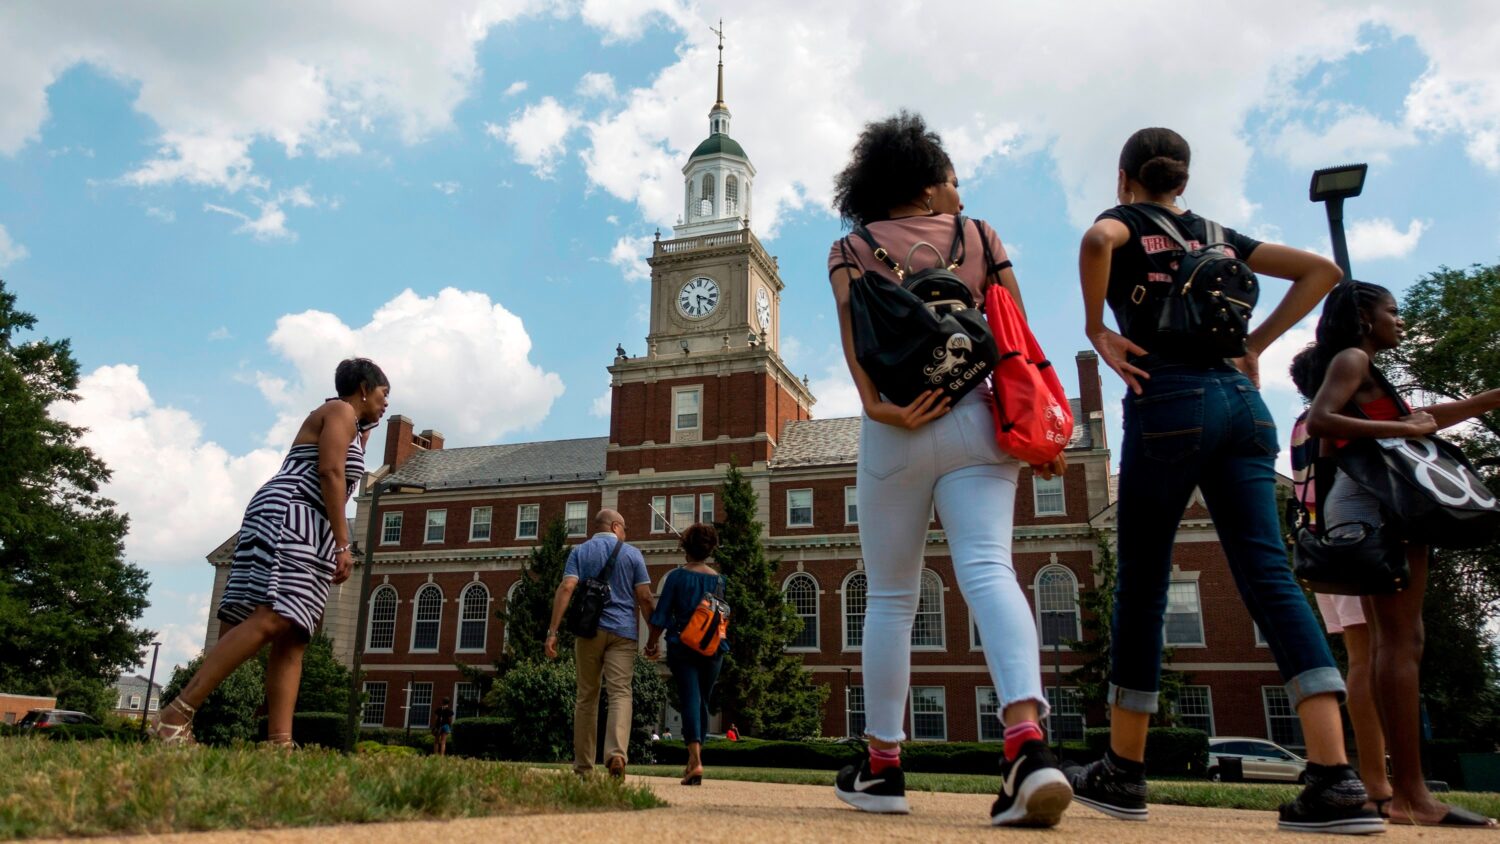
[1260, 759]
[38, 719]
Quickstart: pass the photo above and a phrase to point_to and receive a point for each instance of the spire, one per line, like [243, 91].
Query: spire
[719, 102]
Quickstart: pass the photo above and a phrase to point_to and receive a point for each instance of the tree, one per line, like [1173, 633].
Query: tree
[325, 680]
[762, 689]
[229, 713]
[529, 611]
[68, 599]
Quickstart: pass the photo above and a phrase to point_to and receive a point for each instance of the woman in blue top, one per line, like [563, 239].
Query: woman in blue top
[694, 673]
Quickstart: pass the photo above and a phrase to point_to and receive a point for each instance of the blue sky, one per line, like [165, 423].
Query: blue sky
[216, 205]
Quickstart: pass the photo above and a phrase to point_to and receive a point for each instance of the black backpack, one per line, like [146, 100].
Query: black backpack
[1211, 297]
[590, 597]
[923, 333]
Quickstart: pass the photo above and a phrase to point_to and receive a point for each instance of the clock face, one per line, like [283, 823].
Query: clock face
[698, 298]
[763, 309]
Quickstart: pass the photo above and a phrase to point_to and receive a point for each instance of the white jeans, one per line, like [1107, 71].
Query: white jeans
[954, 463]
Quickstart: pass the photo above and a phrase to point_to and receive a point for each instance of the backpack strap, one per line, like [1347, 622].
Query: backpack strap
[609, 565]
[881, 255]
[959, 250]
[845, 261]
[1168, 228]
[990, 265]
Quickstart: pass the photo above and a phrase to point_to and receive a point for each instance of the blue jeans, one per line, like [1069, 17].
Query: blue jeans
[695, 675]
[1205, 428]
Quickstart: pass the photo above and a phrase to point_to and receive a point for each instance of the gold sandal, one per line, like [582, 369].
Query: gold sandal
[281, 741]
[174, 734]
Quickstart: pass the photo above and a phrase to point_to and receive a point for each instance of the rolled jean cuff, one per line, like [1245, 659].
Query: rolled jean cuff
[1133, 700]
[1315, 681]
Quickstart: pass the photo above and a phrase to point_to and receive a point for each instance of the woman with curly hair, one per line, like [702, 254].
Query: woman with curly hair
[900, 185]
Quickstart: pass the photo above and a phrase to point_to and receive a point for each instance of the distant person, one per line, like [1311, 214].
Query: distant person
[666, 735]
[655, 736]
[1196, 420]
[293, 544]
[1338, 372]
[442, 727]
[693, 672]
[733, 734]
[609, 656]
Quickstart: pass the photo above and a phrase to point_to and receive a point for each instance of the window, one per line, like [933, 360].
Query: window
[473, 617]
[120, 703]
[390, 531]
[927, 629]
[682, 512]
[706, 508]
[479, 523]
[659, 514]
[429, 616]
[437, 525]
[1260, 638]
[1282, 724]
[1057, 606]
[855, 586]
[975, 642]
[510, 603]
[419, 705]
[1195, 708]
[801, 593]
[1047, 495]
[528, 519]
[686, 406]
[708, 186]
[135, 701]
[1066, 721]
[987, 703]
[731, 192]
[465, 700]
[373, 714]
[855, 710]
[1184, 619]
[382, 634]
[576, 514]
[851, 506]
[929, 713]
[799, 508]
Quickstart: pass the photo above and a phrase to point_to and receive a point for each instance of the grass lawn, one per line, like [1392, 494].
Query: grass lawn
[1261, 796]
[63, 788]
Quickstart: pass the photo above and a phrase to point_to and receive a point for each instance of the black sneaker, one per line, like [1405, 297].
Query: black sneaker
[1104, 786]
[1333, 801]
[884, 792]
[1033, 792]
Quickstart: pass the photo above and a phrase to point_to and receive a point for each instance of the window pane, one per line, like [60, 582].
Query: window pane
[1057, 606]
[419, 714]
[1066, 720]
[1048, 496]
[682, 512]
[479, 522]
[473, 621]
[990, 728]
[854, 610]
[659, 514]
[527, 518]
[373, 714]
[428, 617]
[856, 710]
[799, 512]
[1184, 621]
[927, 629]
[465, 700]
[706, 508]
[390, 532]
[1195, 708]
[851, 506]
[802, 595]
[687, 409]
[929, 713]
[437, 523]
[577, 516]
[1281, 719]
[382, 619]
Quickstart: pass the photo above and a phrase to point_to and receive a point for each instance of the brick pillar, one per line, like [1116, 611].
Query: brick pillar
[434, 439]
[398, 444]
[1090, 390]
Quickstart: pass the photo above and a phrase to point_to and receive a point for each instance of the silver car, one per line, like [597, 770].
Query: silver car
[1260, 759]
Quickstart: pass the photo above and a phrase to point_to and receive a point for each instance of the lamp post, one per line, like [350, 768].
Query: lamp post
[367, 564]
[1331, 186]
[150, 683]
[848, 678]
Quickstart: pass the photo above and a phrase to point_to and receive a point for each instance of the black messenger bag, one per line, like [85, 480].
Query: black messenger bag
[590, 597]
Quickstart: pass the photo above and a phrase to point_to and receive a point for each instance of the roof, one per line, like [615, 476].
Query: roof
[502, 465]
[718, 143]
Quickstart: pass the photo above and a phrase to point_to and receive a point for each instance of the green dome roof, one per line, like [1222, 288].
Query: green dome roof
[719, 143]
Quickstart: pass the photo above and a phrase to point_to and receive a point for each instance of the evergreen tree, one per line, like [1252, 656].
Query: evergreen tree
[229, 713]
[762, 689]
[325, 680]
[529, 610]
[68, 599]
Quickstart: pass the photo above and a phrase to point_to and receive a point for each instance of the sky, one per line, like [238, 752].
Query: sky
[217, 202]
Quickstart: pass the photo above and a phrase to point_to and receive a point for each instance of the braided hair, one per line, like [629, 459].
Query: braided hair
[1345, 322]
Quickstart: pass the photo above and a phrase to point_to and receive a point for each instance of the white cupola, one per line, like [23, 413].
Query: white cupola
[718, 175]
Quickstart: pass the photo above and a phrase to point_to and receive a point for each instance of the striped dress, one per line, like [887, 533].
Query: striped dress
[284, 559]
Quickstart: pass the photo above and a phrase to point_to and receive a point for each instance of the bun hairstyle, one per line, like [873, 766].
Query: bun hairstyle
[892, 162]
[1343, 324]
[1157, 158]
[699, 542]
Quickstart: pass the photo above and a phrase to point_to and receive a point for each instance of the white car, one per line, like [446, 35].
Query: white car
[1260, 759]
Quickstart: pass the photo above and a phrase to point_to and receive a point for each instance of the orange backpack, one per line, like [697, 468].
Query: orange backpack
[709, 623]
[1033, 421]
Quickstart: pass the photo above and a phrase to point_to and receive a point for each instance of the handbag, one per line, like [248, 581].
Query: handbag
[1033, 420]
[922, 333]
[1211, 296]
[708, 625]
[587, 607]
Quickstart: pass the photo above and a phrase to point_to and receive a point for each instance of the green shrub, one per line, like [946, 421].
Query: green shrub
[92, 732]
[378, 749]
[648, 691]
[228, 714]
[325, 729]
[1170, 751]
[417, 739]
[481, 738]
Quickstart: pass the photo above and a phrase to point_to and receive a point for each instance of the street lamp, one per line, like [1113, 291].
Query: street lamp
[1331, 186]
[848, 678]
[367, 563]
[150, 683]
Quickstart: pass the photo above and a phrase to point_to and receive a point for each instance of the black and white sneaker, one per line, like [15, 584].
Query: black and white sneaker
[1105, 787]
[884, 792]
[1333, 801]
[1033, 791]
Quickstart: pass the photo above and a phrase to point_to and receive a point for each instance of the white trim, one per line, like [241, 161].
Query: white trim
[1265, 708]
[566, 518]
[911, 705]
[659, 505]
[411, 686]
[385, 697]
[974, 637]
[691, 512]
[942, 614]
[510, 594]
[851, 490]
[694, 433]
[708, 511]
[1209, 693]
[479, 701]
[385, 522]
[538, 521]
[817, 616]
[416, 607]
[810, 508]
[979, 715]
[1202, 629]
[370, 619]
[844, 611]
[1036, 590]
[849, 712]
[484, 619]
[1062, 493]
[427, 527]
[490, 525]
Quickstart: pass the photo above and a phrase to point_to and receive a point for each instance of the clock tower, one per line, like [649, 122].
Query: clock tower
[711, 388]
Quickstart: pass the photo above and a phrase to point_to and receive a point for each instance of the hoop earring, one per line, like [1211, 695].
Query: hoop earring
[929, 204]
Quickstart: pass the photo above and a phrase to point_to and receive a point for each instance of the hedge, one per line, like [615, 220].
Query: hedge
[481, 738]
[324, 729]
[936, 757]
[91, 732]
[1170, 751]
[419, 738]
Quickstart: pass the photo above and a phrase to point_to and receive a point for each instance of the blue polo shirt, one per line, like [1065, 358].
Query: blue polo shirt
[587, 560]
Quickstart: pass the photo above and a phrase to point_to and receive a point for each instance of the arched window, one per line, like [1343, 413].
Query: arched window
[1057, 606]
[731, 193]
[429, 616]
[706, 198]
[510, 607]
[855, 587]
[382, 630]
[927, 630]
[801, 593]
[473, 617]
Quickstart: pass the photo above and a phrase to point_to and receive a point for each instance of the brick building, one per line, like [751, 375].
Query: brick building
[712, 389]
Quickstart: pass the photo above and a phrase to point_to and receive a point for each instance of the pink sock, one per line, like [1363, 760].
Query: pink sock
[1018, 735]
[882, 759]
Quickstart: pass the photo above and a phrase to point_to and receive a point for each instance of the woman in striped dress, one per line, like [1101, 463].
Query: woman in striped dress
[293, 545]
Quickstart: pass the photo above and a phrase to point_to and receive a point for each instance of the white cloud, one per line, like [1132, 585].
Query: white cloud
[630, 255]
[166, 215]
[596, 85]
[10, 251]
[835, 391]
[1371, 240]
[626, 20]
[220, 333]
[1276, 362]
[612, 219]
[1356, 135]
[448, 188]
[599, 408]
[514, 88]
[270, 225]
[222, 162]
[538, 135]
[791, 350]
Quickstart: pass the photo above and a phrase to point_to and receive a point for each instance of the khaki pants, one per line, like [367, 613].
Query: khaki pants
[609, 657]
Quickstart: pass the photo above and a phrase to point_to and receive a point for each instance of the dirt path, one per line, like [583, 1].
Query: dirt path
[749, 813]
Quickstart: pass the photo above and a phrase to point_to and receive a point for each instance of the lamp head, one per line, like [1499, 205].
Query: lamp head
[1340, 182]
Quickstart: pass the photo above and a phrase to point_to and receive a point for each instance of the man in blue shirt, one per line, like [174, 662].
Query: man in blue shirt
[610, 655]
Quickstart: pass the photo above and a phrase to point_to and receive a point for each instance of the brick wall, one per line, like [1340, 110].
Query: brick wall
[503, 519]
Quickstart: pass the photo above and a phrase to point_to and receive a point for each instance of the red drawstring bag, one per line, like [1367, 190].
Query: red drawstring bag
[1033, 421]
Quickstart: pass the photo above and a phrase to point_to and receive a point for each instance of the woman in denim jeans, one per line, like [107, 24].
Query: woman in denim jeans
[1196, 422]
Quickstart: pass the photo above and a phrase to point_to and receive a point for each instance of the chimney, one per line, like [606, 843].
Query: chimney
[399, 447]
[1091, 397]
[434, 439]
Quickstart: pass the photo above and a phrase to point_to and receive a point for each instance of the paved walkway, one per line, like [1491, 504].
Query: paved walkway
[751, 813]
